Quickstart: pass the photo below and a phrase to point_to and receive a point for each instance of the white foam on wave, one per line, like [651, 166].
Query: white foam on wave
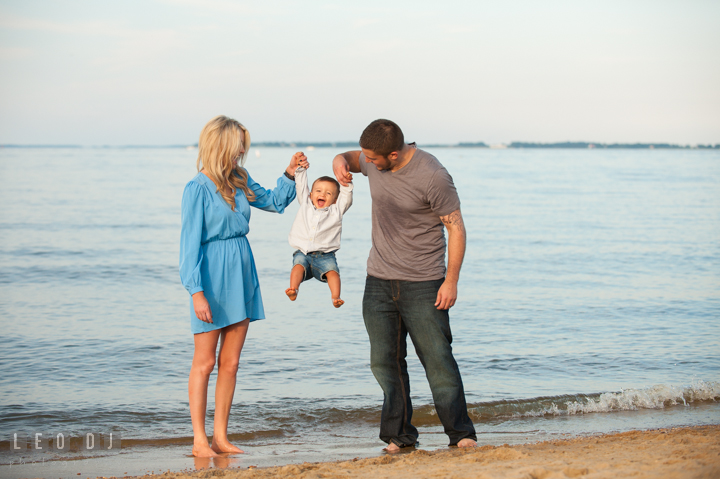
[656, 397]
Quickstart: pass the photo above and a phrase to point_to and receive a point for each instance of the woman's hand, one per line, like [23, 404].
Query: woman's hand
[298, 159]
[202, 308]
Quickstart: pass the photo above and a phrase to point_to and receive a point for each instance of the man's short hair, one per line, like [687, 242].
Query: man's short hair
[329, 180]
[382, 137]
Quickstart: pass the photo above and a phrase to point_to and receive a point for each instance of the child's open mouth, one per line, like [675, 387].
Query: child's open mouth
[321, 203]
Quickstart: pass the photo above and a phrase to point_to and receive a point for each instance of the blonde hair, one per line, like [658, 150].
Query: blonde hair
[222, 141]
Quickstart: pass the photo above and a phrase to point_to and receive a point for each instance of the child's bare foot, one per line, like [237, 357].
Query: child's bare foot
[291, 293]
[226, 447]
[337, 302]
[203, 451]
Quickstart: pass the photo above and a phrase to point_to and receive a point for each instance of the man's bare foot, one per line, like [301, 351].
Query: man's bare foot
[337, 302]
[467, 442]
[226, 447]
[291, 293]
[203, 451]
[392, 448]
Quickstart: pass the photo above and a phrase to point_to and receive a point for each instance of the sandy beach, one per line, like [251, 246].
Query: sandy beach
[692, 452]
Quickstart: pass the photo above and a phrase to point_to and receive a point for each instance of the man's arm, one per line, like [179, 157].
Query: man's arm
[344, 164]
[456, 252]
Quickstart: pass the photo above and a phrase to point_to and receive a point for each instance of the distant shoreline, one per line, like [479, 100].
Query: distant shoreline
[349, 144]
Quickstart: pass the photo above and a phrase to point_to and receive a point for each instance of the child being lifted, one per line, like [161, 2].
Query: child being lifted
[315, 234]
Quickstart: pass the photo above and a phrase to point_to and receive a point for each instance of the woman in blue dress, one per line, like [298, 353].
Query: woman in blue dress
[218, 270]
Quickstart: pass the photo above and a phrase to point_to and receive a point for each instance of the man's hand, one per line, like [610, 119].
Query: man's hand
[341, 168]
[201, 307]
[447, 295]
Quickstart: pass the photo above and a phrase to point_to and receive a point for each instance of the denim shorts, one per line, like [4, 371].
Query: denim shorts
[316, 264]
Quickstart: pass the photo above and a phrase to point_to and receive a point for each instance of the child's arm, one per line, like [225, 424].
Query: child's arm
[301, 186]
[345, 198]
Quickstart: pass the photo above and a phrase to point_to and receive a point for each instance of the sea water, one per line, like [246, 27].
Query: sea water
[589, 302]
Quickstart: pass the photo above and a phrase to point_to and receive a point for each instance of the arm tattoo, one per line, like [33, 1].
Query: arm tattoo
[454, 219]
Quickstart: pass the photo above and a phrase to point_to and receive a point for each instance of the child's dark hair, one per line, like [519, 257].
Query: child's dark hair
[329, 180]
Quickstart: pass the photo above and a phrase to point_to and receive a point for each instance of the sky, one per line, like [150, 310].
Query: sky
[153, 72]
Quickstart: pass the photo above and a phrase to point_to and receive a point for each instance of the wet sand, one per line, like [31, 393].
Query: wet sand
[692, 452]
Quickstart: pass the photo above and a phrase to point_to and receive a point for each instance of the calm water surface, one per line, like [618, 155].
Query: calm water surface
[589, 302]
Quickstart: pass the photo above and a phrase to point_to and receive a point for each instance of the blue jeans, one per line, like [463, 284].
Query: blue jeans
[316, 263]
[391, 310]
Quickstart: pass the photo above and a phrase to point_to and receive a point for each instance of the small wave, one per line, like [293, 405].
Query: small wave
[141, 424]
[86, 273]
[656, 397]
[62, 226]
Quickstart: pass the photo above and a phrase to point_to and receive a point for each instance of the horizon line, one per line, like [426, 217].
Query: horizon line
[335, 144]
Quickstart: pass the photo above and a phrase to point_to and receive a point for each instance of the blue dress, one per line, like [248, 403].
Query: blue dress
[215, 255]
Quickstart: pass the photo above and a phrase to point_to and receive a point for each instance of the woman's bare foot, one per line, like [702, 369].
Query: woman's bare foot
[203, 451]
[291, 293]
[337, 302]
[467, 442]
[226, 447]
[202, 462]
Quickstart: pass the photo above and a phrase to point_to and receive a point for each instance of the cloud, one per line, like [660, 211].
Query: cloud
[124, 47]
[224, 6]
[15, 53]
[15, 22]
[365, 22]
[458, 29]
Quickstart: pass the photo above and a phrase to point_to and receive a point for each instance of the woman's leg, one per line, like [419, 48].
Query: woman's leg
[202, 365]
[231, 344]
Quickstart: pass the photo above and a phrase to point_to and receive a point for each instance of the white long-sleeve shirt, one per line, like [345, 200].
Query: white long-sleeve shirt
[317, 229]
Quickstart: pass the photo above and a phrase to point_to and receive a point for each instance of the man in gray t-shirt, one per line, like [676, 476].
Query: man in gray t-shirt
[408, 289]
[408, 238]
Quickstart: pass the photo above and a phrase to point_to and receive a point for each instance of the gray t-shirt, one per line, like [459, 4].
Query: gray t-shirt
[408, 238]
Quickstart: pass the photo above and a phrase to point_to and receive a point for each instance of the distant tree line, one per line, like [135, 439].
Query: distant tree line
[355, 145]
[585, 144]
[482, 144]
[293, 144]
